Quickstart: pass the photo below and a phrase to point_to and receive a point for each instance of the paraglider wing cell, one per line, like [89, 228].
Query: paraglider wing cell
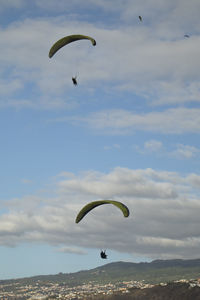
[69, 39]
[87, 208]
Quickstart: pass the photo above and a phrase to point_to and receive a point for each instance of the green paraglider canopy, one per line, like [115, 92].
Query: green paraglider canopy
[69, 39]
[87, 208]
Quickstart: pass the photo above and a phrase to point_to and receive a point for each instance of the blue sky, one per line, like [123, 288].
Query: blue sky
[129, 132]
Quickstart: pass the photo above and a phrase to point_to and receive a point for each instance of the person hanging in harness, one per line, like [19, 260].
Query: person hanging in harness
[74, 80]
[103, 254]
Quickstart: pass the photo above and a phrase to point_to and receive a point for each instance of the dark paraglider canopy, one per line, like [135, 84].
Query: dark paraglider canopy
[186, 35]
[103, 254]
[140, 18]
[88, 207]
[67, 40]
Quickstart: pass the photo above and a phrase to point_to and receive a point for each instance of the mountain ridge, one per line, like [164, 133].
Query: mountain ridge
[155, 271]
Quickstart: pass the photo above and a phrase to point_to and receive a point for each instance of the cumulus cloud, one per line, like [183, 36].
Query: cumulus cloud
[118, 183]
[163, 222]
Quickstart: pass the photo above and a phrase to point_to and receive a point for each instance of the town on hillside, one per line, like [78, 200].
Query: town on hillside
[49, 290]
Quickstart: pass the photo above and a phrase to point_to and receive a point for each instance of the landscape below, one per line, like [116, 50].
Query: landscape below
[177, 279]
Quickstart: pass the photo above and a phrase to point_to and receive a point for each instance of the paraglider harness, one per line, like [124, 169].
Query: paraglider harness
[103, 254]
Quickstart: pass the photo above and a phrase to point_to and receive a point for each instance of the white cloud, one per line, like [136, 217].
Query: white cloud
[180, 152]
[163, 222]
[185, 151]
[71, 250]
[194, 180]
[170, 121]
[153, 145]
[118, 183]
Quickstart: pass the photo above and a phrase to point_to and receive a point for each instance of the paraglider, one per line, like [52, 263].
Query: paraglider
[103, 254]
[74, 80]
[88, 207]
[186, 35]
[140, 18]
[69, 39]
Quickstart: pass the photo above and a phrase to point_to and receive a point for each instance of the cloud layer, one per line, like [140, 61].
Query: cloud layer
[163, 222]
[156, 61]
[169, 121]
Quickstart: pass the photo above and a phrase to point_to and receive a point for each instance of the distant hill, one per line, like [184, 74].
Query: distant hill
[154, 272]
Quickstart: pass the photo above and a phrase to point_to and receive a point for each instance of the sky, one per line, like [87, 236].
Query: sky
[129, 131]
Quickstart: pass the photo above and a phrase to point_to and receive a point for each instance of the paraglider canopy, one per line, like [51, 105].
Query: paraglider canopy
[88, 207]
[140, 18]
[69, 39]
